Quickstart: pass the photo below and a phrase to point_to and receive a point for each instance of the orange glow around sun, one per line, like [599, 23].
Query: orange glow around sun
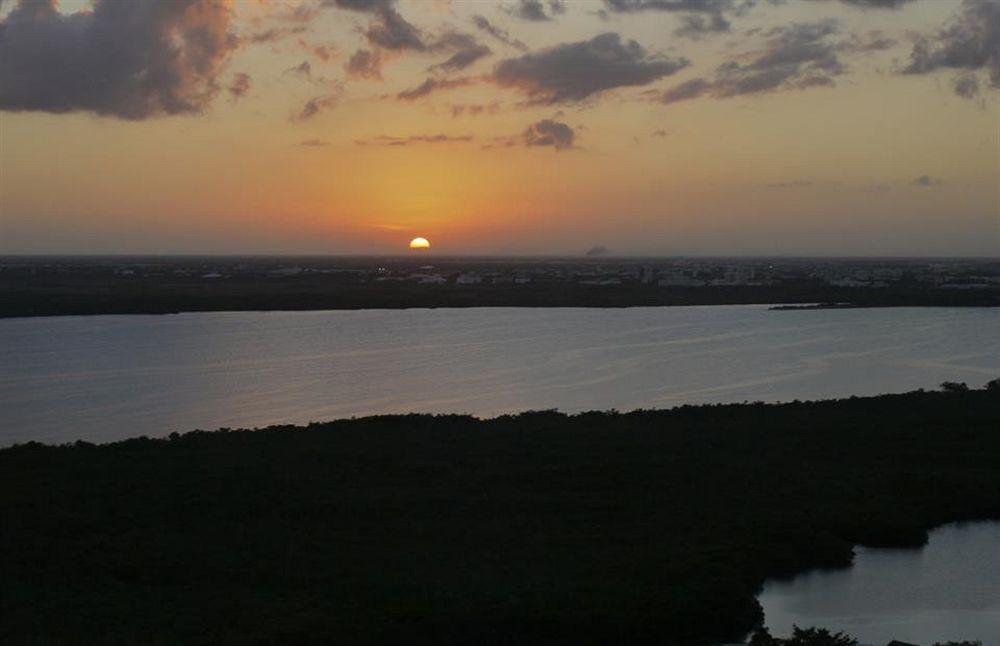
[420, 243]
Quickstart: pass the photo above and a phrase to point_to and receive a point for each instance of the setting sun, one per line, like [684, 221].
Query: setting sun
[420, 243]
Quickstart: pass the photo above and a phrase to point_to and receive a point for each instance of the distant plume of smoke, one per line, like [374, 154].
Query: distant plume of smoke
[599, 250]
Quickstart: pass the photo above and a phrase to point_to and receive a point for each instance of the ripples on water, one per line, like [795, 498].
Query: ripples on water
[108, 377]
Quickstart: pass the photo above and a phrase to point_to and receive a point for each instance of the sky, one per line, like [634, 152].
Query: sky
[501, 127]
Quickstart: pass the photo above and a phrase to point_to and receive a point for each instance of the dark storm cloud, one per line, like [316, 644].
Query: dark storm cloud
[500, 34]
[239, 86]
[364, 63]
[572, 72]
[432, 85]
[970, 41]
[549, 133]
[131, 60]
[797, 56]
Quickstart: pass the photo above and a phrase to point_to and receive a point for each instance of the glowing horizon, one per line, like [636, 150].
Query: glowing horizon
[808, 128]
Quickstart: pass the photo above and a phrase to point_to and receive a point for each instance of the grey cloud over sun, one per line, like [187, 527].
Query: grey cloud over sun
[797, 56]
[501, 35]
[131, 60]
[548, 132]
[970, 41]
[573, 72]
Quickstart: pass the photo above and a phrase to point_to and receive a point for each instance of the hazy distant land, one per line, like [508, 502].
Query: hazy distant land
[45, 286]
[652, 526]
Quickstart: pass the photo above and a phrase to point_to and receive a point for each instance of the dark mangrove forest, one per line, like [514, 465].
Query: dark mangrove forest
[597, 528]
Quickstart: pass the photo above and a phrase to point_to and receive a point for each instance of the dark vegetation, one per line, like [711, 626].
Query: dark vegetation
[605, 528]
[30, 290]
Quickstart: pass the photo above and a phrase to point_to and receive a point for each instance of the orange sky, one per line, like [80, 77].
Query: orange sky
[570, 140]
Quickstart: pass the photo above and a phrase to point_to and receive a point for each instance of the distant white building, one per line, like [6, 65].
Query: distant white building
[469, 279]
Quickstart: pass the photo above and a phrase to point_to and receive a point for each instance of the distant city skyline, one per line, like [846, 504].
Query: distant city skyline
[845, 128]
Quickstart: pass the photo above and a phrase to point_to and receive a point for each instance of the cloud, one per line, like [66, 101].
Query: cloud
[970, 41]
[273, 35]
[432, 85]
[318, 104]
[131, 60]
[387, 140]
[364, 63]
[313, 143]
[534, 10]
[696, 25]
[467, 51]
[926, 180]
[698, 17]
[388, 30]
[500, 34]
[572, 72]
[322, 52]
[966, 85]
[474, 109]
[598, 250]
[797, 56]
[462, 59]
[302, 69]
[240, 86]
[549, 133]
[687, 90]
[877, 4]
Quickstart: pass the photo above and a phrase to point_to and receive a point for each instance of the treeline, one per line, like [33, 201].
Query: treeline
[51, 295]
[645, 527]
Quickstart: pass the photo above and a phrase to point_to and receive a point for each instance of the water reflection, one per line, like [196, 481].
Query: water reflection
[109, 377]
[948, 590]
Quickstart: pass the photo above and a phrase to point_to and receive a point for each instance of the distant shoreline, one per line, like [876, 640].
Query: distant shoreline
[93, 302]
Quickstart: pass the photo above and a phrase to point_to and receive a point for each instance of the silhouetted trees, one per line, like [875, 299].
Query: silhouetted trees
[598, 528]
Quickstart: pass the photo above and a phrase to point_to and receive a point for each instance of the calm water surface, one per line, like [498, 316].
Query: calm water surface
[948, 590]
[103, 378]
